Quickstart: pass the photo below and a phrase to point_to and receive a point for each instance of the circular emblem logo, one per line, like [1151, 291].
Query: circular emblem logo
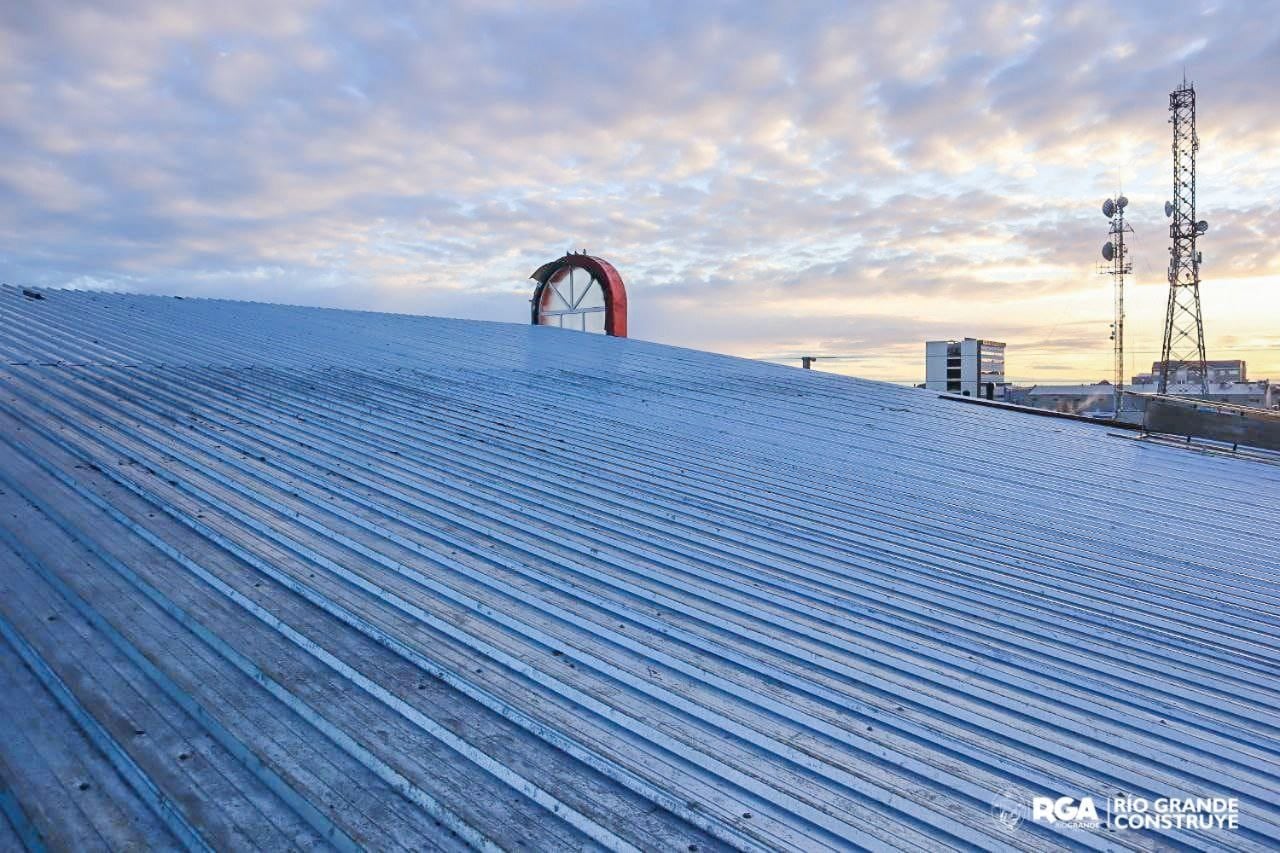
[1009, 808]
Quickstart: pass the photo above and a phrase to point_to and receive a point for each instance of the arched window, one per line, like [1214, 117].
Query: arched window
[573, 299]
[582, 293]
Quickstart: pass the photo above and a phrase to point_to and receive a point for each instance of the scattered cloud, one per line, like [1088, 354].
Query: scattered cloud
[770, 178]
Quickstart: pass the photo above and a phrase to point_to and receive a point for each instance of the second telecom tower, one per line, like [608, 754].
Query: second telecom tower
[1183, 350]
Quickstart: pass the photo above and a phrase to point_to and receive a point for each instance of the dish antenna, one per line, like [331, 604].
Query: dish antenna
[1122, 203]
[1108, 208]
[1168, 208]
[1108, 251]
[1202, 226]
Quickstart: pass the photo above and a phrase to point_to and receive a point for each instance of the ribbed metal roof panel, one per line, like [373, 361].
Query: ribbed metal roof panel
[277, 576]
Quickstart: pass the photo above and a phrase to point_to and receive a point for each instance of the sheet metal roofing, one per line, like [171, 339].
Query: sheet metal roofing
[284, 577]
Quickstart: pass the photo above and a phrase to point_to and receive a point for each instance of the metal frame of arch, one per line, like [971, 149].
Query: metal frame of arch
[615, 293]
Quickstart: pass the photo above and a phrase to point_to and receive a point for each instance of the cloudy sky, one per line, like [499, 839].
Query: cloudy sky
[771, 179]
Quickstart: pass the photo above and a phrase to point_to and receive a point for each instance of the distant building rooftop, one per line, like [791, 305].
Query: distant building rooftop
[277, 577]
[1081, 389]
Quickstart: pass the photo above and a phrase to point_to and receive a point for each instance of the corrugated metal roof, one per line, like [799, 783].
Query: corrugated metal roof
[279, 576]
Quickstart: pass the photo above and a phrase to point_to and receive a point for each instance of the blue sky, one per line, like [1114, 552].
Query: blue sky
[770, 179]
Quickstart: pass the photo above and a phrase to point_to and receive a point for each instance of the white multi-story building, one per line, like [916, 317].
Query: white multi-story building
[972, 368]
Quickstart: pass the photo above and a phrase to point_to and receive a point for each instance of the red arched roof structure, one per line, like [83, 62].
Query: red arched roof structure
[615, 294]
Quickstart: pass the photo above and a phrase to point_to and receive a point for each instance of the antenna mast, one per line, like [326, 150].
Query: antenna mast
[1183, 350]
[1115, 251]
